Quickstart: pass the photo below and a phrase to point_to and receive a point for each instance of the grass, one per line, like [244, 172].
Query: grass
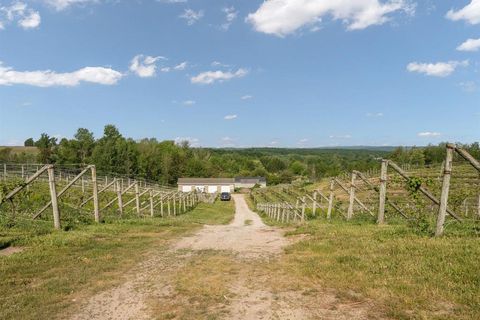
[409, 275]
[57, 267]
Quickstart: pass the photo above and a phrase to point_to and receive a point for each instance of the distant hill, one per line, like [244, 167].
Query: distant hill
[20, 149]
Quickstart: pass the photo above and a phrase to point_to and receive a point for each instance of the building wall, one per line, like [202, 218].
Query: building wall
[249, 185]
[206, 188]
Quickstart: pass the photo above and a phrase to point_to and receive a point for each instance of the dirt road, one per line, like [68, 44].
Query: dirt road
[221, 272]
[246, 235]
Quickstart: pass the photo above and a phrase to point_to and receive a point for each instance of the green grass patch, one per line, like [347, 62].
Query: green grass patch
[57, 267]
[413, 276]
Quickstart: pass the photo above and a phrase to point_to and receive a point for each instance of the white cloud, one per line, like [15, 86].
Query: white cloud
[172, 1]
[469, 13]
[189, 102]
[228, 142]
[429, 134]
[470, 45]
[468, 86]
[210, 77]
[344, 136]
[60, 5]
[219, 64]
[247, 97]
[181, 66]
[283, 17]
[230, 117]
[144, 66]
[18, 11]
[48, 78]
[375, 114]
[230, 16]
[440, 69]
[31, 21]
[192, 16]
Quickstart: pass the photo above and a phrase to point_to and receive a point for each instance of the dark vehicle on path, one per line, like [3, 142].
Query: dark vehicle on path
[225, 196]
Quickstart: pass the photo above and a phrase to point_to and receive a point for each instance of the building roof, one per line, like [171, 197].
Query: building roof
[205, 181]
[250, 180]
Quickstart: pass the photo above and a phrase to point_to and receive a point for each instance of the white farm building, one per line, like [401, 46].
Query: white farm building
[209, 185]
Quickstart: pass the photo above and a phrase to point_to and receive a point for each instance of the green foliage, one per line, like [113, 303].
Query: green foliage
[29, 142]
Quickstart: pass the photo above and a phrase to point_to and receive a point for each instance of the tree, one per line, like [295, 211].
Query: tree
[45, 147]
[86, 143]
[29, 142]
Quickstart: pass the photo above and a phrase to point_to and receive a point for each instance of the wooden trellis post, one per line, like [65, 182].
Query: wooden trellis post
[314, 204]
[5, 172]
[96, 211]
[168, 207]
[442, 211]
[352, 197]
[478, 206]
[383, 192]
[151, 202]
[330, 199]
[53, 195]
[119, 198]
[137, 198]
[304, 202]
[174, 205]
[161, 206]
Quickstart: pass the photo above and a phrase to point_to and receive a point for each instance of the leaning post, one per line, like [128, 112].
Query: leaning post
[447, 173]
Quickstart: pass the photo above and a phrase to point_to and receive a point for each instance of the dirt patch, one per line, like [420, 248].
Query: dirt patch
[230, 271]
[250, 239]
[10, 250]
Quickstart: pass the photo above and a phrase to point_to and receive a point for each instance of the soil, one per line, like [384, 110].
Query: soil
[257, 290]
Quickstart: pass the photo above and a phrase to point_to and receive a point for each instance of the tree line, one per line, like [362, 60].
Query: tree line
[166, 161]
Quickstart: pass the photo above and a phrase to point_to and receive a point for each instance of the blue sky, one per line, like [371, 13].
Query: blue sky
[293, 73]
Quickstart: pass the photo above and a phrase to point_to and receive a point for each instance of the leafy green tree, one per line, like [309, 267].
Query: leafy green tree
[29, 142]
[45, 147]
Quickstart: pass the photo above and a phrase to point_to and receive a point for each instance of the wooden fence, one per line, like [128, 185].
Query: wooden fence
[127, 195]
[367, 193]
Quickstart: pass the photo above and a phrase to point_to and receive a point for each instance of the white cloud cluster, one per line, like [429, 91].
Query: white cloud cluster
[210, 77]
[429, 134]
[470, 13]
[25, 17]
[247, 97]
[375, 114]
[230, 16]
[60, 5]
[230, 117]
[172, 1]
[440, 69]
[144, 66]
[181, 66]
[345, 136]
[48, 78]
[282, 17]
[470, 45]
[192, 16]
[189, 102]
